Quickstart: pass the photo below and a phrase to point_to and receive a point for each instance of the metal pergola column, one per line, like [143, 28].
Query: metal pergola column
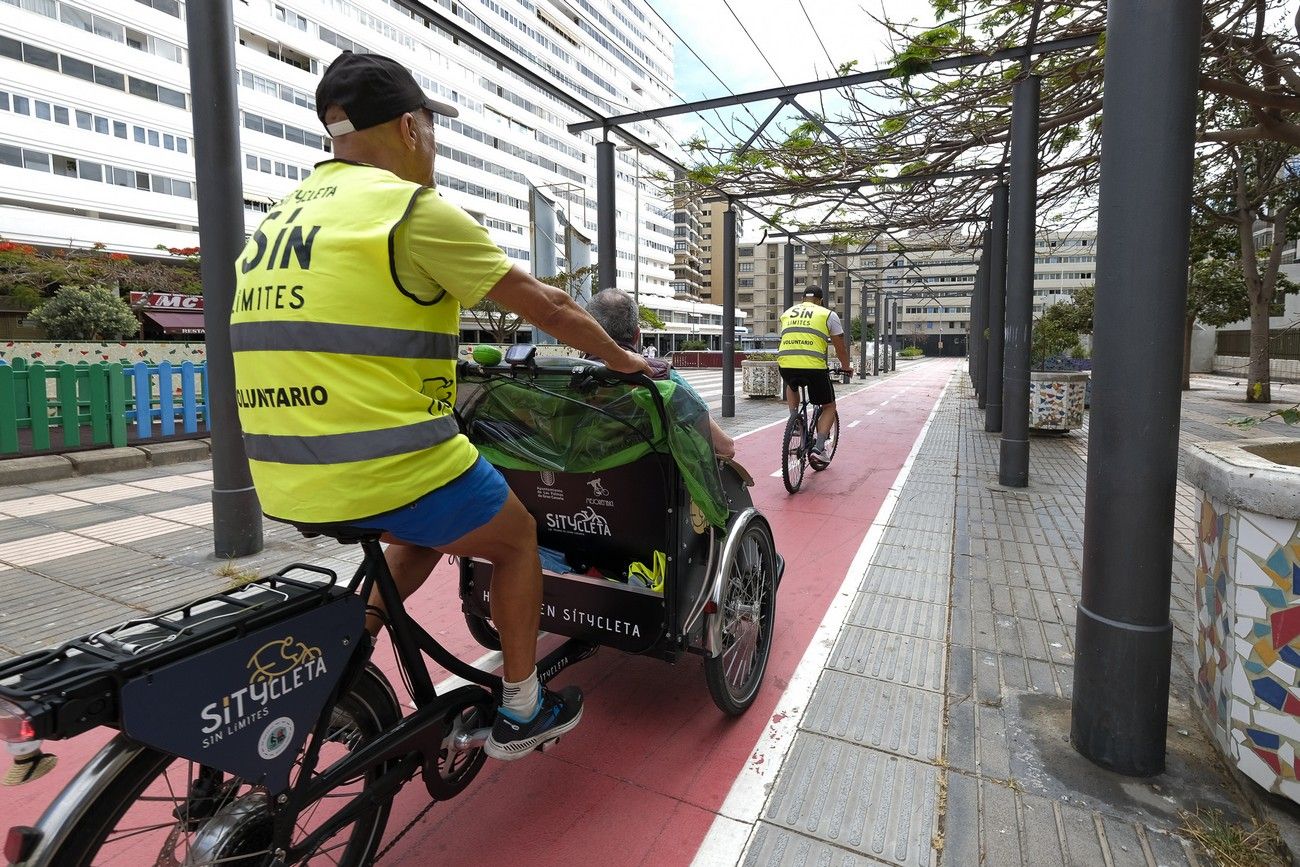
[1124, 639]
[848, 316]
[729, 312]
[979, 316]
[875, 346]
[893, 340]
[1013, 463]
[996, 311]
[210, 29]
[787, 279]
[606, 217]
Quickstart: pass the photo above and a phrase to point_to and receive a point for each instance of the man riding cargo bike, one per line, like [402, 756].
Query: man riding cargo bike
[253, 726]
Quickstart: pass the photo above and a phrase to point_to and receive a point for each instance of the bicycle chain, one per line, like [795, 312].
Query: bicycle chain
[404, 831]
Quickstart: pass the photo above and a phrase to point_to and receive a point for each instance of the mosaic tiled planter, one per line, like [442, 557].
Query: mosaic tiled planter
[760, 379]
[1056, 400]
[1248, 605]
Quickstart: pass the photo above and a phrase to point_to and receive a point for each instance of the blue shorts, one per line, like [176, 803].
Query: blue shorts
[443, 516]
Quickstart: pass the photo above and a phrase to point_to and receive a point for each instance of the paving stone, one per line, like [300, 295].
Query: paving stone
[919, 560]
[903, 616]
[886, 581]
[900, 659]
[873, 713]
[36, 468]
[876, 804]
[780, 847]
[107, 460]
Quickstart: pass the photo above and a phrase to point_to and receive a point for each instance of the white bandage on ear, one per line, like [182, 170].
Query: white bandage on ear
[338, 128]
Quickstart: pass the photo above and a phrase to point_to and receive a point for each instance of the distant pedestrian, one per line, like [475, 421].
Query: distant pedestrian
[650, 351]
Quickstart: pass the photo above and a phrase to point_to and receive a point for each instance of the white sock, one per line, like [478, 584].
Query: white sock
[521, 698]
[821, 441]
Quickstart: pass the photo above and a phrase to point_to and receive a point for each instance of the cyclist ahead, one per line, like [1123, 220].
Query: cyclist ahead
[806, 330]
[345, 326]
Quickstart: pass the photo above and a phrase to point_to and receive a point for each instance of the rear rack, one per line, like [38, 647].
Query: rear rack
[72, 688]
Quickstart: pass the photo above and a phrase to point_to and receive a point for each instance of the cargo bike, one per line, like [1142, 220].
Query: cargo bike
[253, 727]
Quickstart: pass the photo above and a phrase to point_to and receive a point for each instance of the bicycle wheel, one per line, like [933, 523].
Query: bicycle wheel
[794, 455]
[482, 631]
[163, 810]
[748, 609]
[832, 443]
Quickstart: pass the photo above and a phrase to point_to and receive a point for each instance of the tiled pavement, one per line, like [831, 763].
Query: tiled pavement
[938, 732]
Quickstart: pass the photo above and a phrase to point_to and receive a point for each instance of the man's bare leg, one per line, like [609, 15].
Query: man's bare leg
[826, 419]
[410, 566]
[509, 543]
[791, 399]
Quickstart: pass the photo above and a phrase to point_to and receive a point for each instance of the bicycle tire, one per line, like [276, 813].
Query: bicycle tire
[482, 631]
[793, 464]
[372, 706]
[749, 605]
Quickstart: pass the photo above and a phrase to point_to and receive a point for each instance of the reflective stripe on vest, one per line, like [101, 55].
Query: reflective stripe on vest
[354, 446]
[345, 381]
[337, 337]
[804, 336]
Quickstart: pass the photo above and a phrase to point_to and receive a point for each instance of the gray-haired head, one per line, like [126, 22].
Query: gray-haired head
[617, 313]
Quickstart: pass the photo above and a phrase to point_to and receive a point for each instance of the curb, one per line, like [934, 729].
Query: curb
[46, 468]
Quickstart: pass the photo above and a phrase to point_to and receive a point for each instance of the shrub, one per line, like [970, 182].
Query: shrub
[694, 345]
[91, 312]
[760, 356]
[911, 352]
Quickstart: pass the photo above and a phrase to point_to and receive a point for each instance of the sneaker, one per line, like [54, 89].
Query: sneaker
[818, 454]
[557, 713]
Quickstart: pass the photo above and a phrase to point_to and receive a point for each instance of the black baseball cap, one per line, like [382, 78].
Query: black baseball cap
[814, 292]
[371, 89]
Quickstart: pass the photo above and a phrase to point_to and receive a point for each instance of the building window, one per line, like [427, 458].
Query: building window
[747, 266]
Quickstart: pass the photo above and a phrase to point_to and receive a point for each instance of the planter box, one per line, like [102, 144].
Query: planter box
[760, 379]
[1248, 605]
[1056, 400]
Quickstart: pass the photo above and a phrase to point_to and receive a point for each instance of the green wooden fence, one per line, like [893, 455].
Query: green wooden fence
[63, 401]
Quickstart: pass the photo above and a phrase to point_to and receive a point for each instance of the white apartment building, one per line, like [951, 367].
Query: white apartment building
[96, 140]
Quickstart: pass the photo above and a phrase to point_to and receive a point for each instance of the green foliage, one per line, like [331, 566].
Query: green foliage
[855, 329]
[1216, 292]
[925, 49]
[648, 318]
[91, 312]
[29, 275]
[694, 345]
[892, 125]
[911, 352]
[760, 356]
[1057, 331]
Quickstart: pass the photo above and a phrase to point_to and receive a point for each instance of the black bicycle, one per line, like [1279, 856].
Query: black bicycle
[800, 436]
[254, 729]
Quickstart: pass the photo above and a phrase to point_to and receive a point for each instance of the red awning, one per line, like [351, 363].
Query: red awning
[177, 323]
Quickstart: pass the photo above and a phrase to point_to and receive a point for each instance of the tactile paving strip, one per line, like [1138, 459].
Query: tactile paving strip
[876, 713]
[879, 805]
[899, 659]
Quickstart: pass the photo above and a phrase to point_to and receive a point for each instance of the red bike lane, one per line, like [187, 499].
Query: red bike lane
[642, 778]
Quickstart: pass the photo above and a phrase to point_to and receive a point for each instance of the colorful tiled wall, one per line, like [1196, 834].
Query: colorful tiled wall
[1248, 641]
[127, 352]
[1056, 405]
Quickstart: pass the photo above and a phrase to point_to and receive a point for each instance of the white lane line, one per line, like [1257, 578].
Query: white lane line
[775, 475]
[733, 828]
[855, 423]
[872, 411]
[884, 402]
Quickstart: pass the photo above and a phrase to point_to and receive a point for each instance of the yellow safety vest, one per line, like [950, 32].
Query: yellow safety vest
[804, 336]
[345, 382]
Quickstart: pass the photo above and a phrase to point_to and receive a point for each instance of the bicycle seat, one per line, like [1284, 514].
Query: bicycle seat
[344, 534]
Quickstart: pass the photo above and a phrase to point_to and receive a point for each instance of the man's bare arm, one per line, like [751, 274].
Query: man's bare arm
[553, 311]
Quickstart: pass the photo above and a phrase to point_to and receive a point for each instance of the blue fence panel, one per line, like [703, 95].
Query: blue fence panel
[189, 411]
[152, 397]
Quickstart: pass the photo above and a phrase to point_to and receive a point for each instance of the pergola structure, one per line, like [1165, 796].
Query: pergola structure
[1124, 634]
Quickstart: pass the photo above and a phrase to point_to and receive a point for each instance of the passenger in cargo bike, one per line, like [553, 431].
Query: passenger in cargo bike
[350, 292]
